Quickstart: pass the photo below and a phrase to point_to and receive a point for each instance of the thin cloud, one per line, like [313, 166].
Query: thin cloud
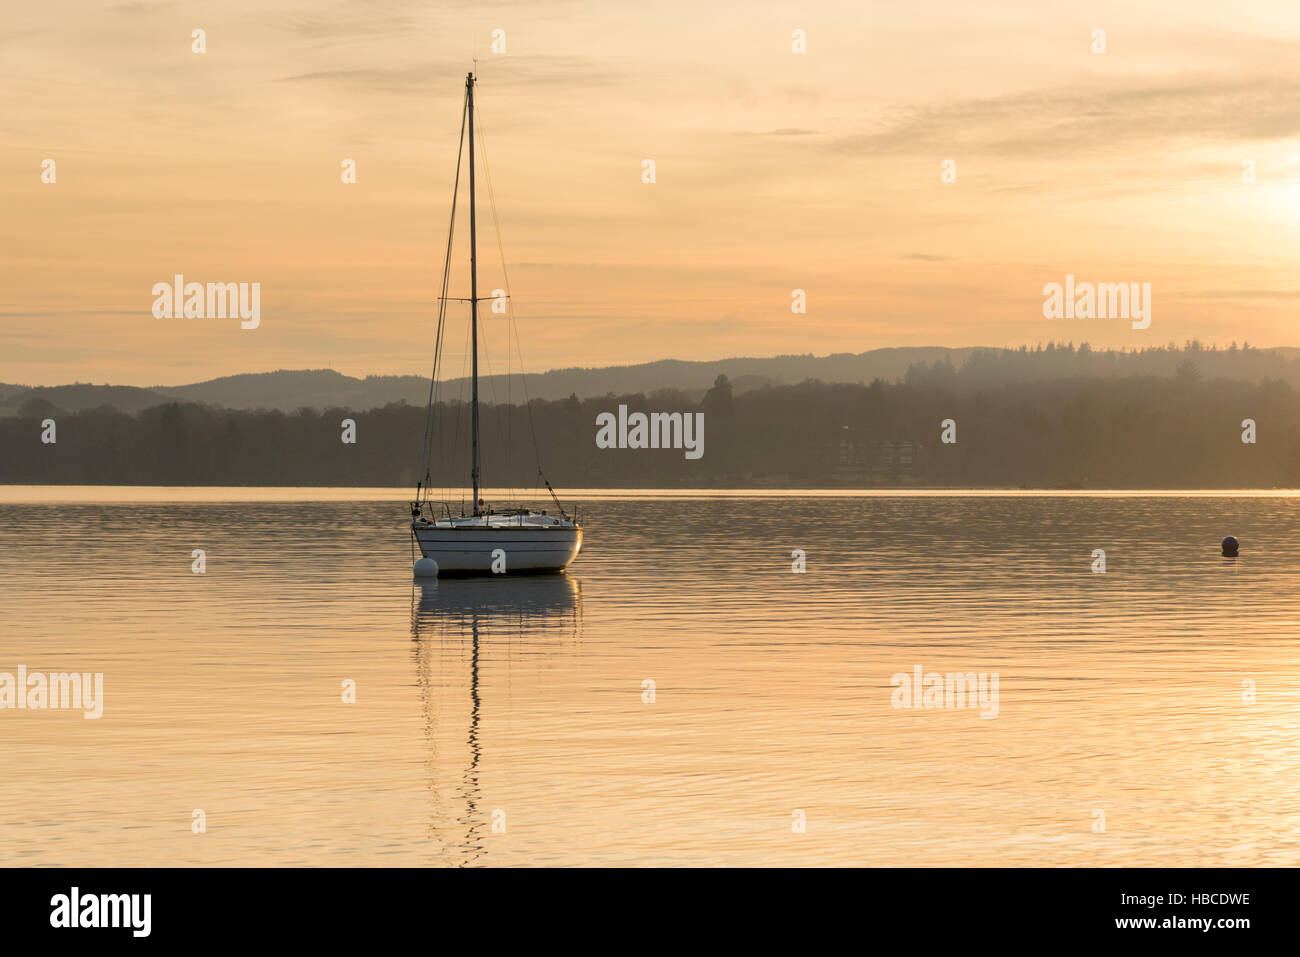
[1087, 120]
[525, 71]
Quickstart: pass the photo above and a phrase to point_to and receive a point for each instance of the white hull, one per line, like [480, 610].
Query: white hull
[471, 548]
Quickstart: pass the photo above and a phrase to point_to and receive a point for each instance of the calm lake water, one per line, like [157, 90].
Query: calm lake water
[1162, 694]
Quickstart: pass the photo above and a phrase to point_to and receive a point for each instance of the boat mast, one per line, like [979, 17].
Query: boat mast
[473, 285]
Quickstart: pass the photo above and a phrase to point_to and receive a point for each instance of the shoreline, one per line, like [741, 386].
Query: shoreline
[106, 494]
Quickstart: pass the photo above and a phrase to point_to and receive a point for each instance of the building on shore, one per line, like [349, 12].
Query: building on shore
[859, 459]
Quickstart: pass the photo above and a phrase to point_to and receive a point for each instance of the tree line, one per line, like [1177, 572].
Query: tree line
[1181, 431]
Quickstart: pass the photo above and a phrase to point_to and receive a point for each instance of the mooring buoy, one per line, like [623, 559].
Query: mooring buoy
[1230, 546]
[426, 568]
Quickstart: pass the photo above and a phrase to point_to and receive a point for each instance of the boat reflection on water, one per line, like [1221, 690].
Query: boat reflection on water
[468, 632]
[523, 607]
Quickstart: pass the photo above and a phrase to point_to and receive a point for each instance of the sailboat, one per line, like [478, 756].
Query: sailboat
[488, 540]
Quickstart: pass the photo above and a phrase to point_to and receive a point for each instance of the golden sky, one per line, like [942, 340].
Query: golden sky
[775, 171]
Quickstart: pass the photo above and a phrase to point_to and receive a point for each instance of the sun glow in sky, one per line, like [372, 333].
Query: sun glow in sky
[775, 171]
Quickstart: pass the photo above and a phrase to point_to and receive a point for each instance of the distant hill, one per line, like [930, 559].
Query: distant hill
[320, 388]
[75, 398]
[7, 390]
[744, 373]
[308, 388]
[288, 390]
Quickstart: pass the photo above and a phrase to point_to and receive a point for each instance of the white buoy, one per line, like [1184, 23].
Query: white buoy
[426, 568]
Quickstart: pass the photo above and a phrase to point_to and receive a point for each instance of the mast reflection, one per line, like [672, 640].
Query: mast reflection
[459, 625]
